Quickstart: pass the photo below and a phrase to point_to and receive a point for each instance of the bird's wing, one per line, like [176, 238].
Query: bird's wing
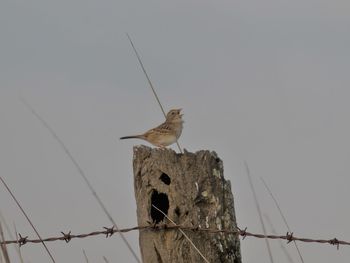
[164, 128]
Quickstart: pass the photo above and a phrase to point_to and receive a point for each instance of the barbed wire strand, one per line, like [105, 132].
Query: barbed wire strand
[258, 209]
[149, 82]
[26, 216]
[67, 237]
[189, 240]
[80, 171]
[282, 215]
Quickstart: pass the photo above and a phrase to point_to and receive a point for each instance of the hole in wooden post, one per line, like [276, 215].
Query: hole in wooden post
[161, 201]
[165, 179]
[177, 211]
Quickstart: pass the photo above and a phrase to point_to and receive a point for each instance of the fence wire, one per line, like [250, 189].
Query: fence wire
[107, 232]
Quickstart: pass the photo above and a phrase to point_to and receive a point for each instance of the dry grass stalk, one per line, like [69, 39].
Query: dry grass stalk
[259, 211]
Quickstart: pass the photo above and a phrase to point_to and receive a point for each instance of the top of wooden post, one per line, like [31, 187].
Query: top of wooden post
[191, 190]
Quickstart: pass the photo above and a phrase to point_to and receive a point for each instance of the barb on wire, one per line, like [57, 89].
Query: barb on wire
[23, 240]
[17, 245]
[80, 171]
[149, 81]
[282, 215]
[189, 240]
[259, 210]
[109, 231]
[26, 216]
[241, 232]
[67, 237]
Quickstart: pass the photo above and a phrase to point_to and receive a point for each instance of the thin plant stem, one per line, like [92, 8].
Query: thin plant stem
[149, 82]
[283, 248]
[3, 246]
[283, 217]
[2, 218]
[81, 173]
[26, 216]
[189, 240]
[259, 210]
[85, 256]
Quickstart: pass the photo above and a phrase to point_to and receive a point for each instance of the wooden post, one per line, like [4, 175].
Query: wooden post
[191, 190]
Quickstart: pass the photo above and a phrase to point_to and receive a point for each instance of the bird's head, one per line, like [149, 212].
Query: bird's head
[174, 115]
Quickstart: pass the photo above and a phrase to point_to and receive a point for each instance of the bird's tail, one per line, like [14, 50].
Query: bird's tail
[132, 137]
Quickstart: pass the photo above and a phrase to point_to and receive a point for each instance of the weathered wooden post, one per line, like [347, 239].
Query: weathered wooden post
[191, 190]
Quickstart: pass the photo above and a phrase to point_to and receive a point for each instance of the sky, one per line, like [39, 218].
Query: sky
[262, 82]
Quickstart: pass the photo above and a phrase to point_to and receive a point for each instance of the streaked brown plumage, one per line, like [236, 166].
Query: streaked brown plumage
[165, 134]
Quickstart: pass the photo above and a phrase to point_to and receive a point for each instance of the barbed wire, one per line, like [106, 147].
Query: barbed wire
[108, 232]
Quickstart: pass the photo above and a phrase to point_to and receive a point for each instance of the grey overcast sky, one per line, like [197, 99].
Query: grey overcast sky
[265, 82]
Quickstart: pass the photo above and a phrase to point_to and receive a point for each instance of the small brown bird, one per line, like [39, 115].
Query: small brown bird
[165, 134]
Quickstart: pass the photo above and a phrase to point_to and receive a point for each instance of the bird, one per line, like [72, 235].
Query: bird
[166, 133]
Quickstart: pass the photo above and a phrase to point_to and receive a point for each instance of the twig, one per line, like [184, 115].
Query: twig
[283, 217]
[149, 81]
[189, 240]
[26, 216]
[259, 210]
[81, 172]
